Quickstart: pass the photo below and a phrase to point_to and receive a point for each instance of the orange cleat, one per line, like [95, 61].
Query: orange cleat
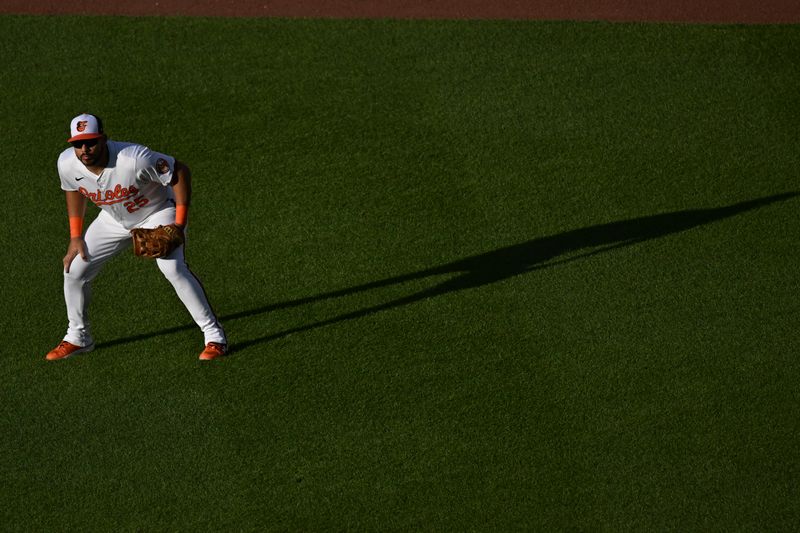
[214, 350]
[66, 349]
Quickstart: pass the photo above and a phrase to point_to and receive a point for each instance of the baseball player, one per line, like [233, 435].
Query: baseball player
[134, 187]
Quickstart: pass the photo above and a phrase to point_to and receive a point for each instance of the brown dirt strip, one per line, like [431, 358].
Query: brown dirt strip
[697, 11]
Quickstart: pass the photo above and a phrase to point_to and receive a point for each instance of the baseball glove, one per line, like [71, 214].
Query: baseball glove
[156, 242]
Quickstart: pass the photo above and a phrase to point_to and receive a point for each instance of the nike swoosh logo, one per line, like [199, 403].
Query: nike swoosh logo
[78, 179]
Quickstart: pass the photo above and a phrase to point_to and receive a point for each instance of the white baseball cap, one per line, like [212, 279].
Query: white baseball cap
[84, 127]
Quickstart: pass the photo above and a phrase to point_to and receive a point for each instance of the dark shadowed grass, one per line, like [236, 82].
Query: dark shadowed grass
[476, 275]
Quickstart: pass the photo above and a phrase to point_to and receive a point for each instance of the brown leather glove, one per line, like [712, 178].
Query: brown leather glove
[156, 242]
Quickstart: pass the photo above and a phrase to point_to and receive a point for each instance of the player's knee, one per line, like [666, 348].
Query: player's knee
[78, 271]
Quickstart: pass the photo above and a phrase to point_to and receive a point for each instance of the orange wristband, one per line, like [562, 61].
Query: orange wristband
[75, 226]
[181, 214]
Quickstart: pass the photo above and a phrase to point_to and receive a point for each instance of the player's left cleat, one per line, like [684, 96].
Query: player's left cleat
[67, 349]
[214, 350]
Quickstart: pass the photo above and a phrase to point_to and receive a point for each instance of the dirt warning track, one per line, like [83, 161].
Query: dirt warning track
[706, 11]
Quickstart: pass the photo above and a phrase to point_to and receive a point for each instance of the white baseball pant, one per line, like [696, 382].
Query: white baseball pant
[105, 238]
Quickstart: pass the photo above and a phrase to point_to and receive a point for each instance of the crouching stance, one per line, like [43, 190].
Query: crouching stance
[135, 188]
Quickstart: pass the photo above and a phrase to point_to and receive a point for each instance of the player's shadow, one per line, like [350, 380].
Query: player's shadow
[501, 264]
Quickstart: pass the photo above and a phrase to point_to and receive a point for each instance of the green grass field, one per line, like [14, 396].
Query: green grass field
[476, 276]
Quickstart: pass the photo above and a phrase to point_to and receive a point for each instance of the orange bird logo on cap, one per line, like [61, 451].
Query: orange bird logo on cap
[81, 125]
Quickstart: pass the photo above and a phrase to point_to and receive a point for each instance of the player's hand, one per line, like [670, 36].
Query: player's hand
[77, 246]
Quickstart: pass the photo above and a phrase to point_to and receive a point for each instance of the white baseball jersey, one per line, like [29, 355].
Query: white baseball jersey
[133, 186]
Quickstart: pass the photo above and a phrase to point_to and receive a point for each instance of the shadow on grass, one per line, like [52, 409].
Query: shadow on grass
[500, 264]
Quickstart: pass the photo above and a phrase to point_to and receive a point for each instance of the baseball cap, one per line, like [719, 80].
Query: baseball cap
[85, 126]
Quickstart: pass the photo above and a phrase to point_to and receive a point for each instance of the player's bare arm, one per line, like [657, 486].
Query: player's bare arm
[182, 189]
[76, 208]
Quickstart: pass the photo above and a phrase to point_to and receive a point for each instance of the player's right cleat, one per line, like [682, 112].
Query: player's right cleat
[214, 350]
[66, 349]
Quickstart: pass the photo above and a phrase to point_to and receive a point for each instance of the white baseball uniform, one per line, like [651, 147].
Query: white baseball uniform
[132, 192]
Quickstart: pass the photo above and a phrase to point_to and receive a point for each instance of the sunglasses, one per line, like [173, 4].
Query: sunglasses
[88, 143]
